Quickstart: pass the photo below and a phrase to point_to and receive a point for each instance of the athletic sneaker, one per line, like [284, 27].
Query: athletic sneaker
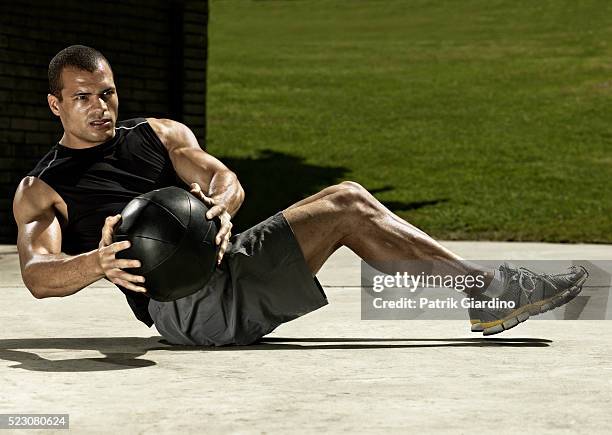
[532, 294]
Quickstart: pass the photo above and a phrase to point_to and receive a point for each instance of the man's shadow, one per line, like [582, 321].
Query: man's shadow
[274, 180]
[123, 353]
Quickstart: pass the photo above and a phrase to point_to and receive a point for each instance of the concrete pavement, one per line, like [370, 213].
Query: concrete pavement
[87, 356]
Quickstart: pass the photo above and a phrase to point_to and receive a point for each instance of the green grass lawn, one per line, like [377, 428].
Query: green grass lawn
[472, 119]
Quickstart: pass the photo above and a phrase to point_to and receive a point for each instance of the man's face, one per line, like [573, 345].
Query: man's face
[88, 108]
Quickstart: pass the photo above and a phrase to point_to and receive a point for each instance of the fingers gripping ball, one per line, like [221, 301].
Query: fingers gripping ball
[173, 240]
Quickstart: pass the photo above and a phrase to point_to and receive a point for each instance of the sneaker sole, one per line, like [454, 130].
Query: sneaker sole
[523, 313]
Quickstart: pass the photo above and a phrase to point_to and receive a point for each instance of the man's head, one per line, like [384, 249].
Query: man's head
[82, 93]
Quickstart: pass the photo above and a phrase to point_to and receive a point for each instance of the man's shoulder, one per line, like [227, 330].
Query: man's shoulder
[167, 131]
[31, 186]
[171, 133]
[33, 195]
[148, 130]
[164, 128]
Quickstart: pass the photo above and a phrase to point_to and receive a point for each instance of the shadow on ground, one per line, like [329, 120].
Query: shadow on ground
[273, 181]
[122, 353]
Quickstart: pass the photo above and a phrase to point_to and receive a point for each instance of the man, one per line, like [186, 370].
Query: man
[265, 275]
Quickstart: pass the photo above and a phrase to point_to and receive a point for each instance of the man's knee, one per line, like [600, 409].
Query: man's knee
[354, 199]
[352, 185]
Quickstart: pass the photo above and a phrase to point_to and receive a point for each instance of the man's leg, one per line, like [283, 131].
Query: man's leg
[348, 215]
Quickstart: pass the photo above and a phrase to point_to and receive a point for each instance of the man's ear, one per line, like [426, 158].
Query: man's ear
[53, 104]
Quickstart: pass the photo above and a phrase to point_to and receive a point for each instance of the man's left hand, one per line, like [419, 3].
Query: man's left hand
[216, 209]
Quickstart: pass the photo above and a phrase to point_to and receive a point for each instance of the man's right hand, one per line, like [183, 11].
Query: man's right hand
[112, 267]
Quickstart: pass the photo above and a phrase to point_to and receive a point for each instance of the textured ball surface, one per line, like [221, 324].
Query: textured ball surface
[173, 240]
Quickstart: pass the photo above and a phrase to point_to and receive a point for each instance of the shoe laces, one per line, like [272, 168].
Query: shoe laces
[524, 275]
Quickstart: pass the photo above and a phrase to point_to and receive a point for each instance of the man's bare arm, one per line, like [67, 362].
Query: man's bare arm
[46, 271]
[194, 165]
[210, 180]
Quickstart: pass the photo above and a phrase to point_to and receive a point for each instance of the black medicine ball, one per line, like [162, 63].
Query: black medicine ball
[173, 240]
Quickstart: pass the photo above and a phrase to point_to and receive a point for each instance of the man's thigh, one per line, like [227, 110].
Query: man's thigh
[318, 227]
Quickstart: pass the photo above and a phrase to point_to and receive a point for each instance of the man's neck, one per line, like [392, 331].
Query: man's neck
[70, 141]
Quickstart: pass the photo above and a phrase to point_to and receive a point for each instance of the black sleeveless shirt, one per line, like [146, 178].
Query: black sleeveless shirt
[99, 181]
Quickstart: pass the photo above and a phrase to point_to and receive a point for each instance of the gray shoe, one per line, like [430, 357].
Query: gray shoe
[532, 294]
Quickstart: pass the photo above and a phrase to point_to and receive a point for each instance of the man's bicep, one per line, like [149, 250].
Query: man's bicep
[42, 235]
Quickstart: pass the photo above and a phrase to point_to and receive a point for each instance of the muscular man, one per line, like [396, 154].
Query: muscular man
[265, 275]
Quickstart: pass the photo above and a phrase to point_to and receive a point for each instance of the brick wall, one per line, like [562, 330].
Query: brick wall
[157, 49]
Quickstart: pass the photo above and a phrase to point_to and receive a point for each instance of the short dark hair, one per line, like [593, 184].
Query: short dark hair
[77, 56]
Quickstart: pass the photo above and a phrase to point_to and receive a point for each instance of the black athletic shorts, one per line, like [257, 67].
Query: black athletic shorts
[263, 281]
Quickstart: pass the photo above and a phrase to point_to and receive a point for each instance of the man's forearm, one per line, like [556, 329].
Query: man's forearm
[55, 275]
[226, 189]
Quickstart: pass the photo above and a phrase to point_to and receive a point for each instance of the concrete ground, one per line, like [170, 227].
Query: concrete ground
[328, 371]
